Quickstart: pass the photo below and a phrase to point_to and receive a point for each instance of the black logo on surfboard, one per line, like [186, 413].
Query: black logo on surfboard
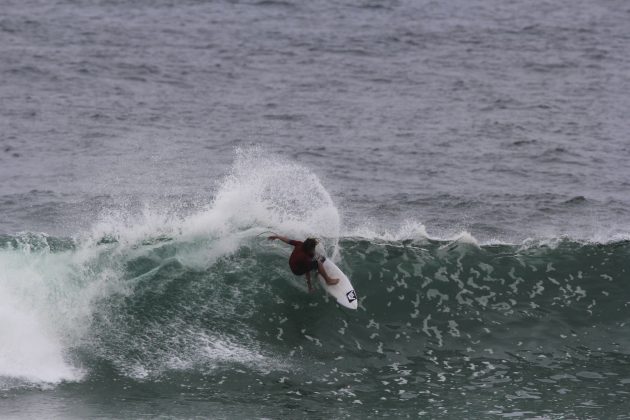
[351, 296]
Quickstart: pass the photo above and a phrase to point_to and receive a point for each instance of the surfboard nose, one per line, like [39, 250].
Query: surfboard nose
[350, 300]
[354, 305]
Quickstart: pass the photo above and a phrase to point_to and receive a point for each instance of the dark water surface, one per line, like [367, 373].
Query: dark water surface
[466, 162]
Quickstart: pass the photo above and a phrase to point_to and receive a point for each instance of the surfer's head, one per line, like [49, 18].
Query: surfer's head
[309, 245]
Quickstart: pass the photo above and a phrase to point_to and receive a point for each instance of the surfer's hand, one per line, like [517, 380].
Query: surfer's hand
[272, 237]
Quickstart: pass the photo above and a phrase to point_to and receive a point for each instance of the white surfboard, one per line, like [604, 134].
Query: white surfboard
[343, 291]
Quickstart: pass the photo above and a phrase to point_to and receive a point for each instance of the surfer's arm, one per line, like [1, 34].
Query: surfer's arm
[282, 238]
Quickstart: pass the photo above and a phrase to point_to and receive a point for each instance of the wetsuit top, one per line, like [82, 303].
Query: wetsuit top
[300, 261]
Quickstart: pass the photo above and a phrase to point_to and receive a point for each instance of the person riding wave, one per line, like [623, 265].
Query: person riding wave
[303, 260]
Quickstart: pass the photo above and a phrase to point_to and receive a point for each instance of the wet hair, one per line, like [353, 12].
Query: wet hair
[309, 244]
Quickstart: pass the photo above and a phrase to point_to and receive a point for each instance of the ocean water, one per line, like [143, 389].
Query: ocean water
[464, 162]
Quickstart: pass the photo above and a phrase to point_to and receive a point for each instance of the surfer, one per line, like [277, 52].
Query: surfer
[303, 260]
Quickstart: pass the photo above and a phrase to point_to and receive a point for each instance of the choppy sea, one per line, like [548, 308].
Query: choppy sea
[464, 162]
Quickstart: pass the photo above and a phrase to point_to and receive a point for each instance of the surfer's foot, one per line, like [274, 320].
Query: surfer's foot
[332, 282]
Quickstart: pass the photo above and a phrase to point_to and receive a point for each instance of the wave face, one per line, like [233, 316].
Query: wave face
[509, 325]
[200, 308]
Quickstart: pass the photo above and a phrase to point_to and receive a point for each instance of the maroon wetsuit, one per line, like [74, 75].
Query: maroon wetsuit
[300, 261]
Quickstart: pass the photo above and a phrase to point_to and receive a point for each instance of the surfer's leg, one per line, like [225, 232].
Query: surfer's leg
[322, 271]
